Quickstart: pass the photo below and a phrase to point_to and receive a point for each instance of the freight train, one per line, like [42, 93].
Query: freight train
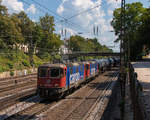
[56, 79]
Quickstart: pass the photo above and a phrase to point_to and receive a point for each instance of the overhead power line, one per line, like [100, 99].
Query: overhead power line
[67, 23]
[85, 11]
[54, 13]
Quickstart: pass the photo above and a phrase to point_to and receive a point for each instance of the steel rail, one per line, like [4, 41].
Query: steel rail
[82, 102]
[91, 114]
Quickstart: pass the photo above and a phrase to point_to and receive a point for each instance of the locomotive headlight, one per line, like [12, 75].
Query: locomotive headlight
[48, 81]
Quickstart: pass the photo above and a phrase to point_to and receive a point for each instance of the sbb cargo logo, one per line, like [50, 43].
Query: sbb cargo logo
[74, 77]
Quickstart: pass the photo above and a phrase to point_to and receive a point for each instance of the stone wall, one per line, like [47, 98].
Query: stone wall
[17, 73]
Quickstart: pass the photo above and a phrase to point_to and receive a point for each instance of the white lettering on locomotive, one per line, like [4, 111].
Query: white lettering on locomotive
[92, 71]
[74, 77]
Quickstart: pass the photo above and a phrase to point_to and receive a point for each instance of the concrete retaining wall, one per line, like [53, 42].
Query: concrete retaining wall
[18, 73]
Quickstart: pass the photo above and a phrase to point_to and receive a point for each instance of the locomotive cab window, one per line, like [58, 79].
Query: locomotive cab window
[56, 72]
[42, 72]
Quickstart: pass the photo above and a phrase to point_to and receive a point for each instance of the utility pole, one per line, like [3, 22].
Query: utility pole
[122, 57]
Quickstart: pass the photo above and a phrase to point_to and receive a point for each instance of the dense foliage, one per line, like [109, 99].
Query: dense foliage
[78, 43]
[137, 26]
[18, 31]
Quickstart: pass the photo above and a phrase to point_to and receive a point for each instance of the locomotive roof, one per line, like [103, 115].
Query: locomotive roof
[92, 62]
[53, 65]
[73, 64]
[86, 62]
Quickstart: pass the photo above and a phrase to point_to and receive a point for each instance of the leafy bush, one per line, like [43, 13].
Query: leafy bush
[10, 65]
[1, 69]
[45, 56]
[20, 61]
[37, 61]
[11, 73]
[26, 63]
[29, 71]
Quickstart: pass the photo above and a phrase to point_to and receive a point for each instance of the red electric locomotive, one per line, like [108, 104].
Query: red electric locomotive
[51, 79]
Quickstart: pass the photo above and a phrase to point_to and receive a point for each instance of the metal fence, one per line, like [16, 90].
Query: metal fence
[136, 99]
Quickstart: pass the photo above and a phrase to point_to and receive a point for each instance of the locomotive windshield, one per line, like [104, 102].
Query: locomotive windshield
[42, 72]
[56, 72]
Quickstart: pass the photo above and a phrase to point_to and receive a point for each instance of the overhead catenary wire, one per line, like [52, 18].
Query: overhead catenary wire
[75, 26]
[66, 20]
[46, 12]
[85, 11]
[52, 12]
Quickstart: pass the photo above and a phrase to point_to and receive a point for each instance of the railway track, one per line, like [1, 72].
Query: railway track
[77, 106]
[32, 110]
[97, 109]
[15, 89]
[25, 103]
[74, 106]
[11, 82]
[7, 89]
[87, 102]
[11, 99]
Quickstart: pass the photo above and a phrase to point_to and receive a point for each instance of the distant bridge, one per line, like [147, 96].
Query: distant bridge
[79, 54]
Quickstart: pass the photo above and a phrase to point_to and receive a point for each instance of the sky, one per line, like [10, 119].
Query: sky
[76, 16]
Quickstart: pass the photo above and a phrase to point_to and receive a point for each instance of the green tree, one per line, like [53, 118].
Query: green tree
[37, 37]
[10, 34]
[133, 21]
[27, 27]
[144, 31]
[47, 25]
[28, 30]
[3, 10]
[50, 41]
[78, 43]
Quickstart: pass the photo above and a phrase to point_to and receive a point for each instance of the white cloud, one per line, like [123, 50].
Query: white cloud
[110, 12]
[32, 9]
[71, 31]
[13, 5]
[96, 17]
[60, 9]
[114, 3]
